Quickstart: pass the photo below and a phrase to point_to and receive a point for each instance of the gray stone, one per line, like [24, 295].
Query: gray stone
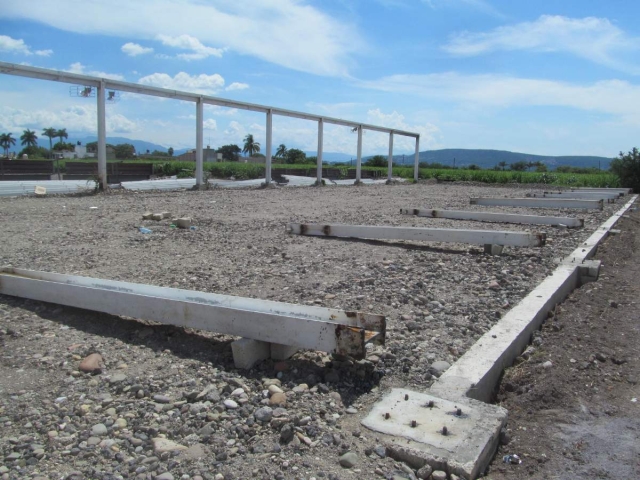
[117, 378]
[439, 475]
[161, 445]
[99, 430]
[348, 460]
[161, 399]
[424, 472]
[230, 404]
[439, 367]
[380, 451]
[264, 414]
[164, 476]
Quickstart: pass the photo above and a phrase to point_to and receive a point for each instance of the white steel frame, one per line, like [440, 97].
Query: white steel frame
[103, 84]
[316, 328]
[449, 235]
[494, 217]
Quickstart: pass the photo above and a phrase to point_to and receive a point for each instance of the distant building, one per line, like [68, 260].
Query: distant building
[208, 155]
[92, 152]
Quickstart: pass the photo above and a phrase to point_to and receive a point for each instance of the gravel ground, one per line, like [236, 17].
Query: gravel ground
[168, 402]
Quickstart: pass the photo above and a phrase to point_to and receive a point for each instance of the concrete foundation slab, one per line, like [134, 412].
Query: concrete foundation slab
[449, 435]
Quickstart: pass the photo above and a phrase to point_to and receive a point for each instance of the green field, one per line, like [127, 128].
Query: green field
[246, 171]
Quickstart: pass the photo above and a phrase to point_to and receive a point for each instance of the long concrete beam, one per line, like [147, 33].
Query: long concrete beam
[494, 217]
[608, 197]
[623, 191]
[315, 328]
[537, 202]
[450, 235]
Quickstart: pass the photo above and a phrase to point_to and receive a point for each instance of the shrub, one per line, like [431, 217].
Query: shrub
[627, 168]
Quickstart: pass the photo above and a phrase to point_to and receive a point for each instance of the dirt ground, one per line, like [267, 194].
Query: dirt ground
[162, 382]
[580, 418]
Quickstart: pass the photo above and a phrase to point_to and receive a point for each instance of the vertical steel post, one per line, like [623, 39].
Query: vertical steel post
[417, 159]
[199, 141]
[102, 138]
[320, 142]
[390, 158]
[359, 160]
[267, 169]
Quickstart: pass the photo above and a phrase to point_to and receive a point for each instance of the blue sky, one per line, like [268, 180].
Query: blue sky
[546, 77]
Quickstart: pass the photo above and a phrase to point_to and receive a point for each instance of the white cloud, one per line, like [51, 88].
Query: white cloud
[134, 49]
[430, 135]
[210, 124]
[614, 97]
[594, 39]
[81, 69]
[76, 118]
[235, 130]
[237, 86]
[217, 110]
[207, 84]
[12, 45]
[290, 33]
[187, 42]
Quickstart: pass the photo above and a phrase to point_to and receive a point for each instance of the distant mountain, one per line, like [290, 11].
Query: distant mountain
[490, 158]
[141, 146]
[449, 156]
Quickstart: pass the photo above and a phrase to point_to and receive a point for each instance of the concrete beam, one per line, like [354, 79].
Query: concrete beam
[494, 217]
[102, 138]
[537, 202]
[199, 142]
[315, 328]
[449, 235]
[609, 197]
[623, 191]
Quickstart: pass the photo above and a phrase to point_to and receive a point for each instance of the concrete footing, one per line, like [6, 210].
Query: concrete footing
[412, 423]
[248, 352]
[492, 249]
[454, 436]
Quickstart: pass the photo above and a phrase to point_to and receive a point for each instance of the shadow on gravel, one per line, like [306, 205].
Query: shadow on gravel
[406, 246]
[354, 379]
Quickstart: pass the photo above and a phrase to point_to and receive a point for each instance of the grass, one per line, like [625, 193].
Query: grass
[246, 171]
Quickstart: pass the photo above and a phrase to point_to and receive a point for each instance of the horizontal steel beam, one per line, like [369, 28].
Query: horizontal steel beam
[316, 328]
[65, 77]
[537, 202]
[494, 217]
[449, 235]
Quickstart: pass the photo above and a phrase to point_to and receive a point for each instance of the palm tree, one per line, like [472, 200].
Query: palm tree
[62, 134]
[51, 133]
[282, 151]
[250, 145]
[29, 138]
[6, 140]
